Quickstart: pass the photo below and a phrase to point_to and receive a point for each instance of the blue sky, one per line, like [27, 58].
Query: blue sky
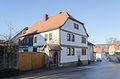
[101, 17]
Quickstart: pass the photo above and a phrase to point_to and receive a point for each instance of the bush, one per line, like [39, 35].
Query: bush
[79, 62]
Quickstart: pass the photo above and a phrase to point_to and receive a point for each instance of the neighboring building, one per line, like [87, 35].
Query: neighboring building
[111, 50]
[99, 52]
[90, 51]
[61, 30]
[15, 39]
[104, 46]
[114, 51]
[114, 48]
[2, 41]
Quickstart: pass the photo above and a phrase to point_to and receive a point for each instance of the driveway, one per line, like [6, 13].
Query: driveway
[104, 70]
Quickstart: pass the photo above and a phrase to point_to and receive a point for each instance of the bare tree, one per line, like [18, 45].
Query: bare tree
[111, 40]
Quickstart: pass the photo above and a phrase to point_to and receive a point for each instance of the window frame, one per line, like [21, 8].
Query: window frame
[46, 37]
[73, 51]
[50, 36]
[84, 40]
[68, 51]
[73, 37]
[83, 51]
[35, 40]
[68, 36]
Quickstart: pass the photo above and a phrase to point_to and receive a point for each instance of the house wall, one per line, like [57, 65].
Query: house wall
[111, 50]
[41, 38]
[68, 27]
[98, 55]
[68, 59]
[90, 54]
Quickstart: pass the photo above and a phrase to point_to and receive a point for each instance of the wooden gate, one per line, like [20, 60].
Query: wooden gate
[31, 60]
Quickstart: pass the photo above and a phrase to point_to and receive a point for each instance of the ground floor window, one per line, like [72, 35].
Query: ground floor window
[25, 50]
[73, 51]
[68, 51]
[34, 49]
[83, 51]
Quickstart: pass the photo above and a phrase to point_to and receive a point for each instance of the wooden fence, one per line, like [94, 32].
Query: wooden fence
[31, 60]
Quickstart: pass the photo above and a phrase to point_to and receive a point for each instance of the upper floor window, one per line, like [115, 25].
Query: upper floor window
[46, 37]
[83, 51]
[50, 36]
[68, 36]
[68, 51]
[35, 40]
[83, 40]
[73, 37]
[76, 26]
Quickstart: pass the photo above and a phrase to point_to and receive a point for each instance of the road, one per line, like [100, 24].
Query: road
[104, 70]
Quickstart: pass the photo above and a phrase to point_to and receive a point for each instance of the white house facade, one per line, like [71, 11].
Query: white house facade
[68, 40]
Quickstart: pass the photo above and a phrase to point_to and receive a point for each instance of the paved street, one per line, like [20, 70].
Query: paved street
[104, 70]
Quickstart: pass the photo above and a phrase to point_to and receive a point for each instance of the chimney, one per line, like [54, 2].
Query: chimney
[60, 12]
[45, 17]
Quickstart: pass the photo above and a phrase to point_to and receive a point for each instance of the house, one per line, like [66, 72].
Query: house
[15, 39]
[90, 51]
[114, 50]
[62, 37]
[99, 52]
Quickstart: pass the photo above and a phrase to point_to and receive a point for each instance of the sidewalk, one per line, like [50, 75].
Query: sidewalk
[46, 72]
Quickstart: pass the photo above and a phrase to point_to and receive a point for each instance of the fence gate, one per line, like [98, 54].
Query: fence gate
[31, 60]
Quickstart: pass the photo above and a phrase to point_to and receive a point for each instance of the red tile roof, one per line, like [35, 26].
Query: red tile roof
[116, 45]
[98, 50]
[53, 22]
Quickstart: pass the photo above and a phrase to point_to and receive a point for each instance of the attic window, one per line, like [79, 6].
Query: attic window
[76, 26]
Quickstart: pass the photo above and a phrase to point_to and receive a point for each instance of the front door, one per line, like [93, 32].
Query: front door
[56, 58]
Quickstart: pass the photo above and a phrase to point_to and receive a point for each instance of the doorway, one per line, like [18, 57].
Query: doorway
[56, 58]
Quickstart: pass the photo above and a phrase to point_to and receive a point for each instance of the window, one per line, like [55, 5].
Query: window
[73, 37]
[83, 40]
[50, 36]
[27, 40]
[76, 26]
[73, 51]
[25, 50]
[34, 49]
[35, 40]
[68, 51]
[68, 36]
[46, 37]
[83, 51]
